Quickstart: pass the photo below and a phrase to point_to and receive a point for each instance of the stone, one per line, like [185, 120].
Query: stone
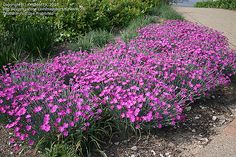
[214, 118]
[134, 148]
[153, 152]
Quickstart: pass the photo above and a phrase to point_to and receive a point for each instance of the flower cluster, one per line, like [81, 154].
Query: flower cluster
[146, 81]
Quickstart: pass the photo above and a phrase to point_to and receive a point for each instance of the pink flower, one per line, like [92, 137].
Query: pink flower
[45, 127]
[37, 109]
[28, 127]
[31, 142]
[54, 109]
[21, 112]
[65, 133]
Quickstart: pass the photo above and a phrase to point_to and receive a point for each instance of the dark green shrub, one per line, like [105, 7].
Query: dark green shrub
[90, 15]
[224, 4]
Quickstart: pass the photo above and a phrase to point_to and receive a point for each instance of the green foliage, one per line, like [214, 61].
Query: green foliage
[10, 51]
[37, 38]
[233, 78]
[60, 150]
[90, 15]
[169, 13]
[131, 31]
[224, 4]
[92, 39]
[87, 143]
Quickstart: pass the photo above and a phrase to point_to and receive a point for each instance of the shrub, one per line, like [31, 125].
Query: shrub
[145, 83]
[91, 15]
[224, 4]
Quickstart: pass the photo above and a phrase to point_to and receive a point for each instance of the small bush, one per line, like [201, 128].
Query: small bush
[224, 4]
[93, 39]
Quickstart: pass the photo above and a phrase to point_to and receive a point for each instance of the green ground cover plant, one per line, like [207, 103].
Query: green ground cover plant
[224, 4]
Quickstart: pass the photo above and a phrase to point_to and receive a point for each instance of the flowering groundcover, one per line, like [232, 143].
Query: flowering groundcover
[147, 81]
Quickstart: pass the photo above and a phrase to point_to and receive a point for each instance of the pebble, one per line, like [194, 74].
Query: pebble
[203, 107]
[171, 144]
[153, 152]
[214, 118]
[167, 154]
[134, 148]
[197, 117]
[194, 130]
[188, 108]
[204, 140]
[116, 143]
[132, 155]
[161, 155]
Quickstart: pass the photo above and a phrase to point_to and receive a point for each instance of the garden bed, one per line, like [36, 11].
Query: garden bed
[185, 139]
[79, 100]
[205, 119]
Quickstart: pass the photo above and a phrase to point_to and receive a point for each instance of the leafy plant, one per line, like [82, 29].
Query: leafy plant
[89, 15]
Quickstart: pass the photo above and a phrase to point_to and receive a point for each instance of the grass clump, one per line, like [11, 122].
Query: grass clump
[23, 39]
[131, 31]
[92, 39]
[62, 150]
[37, 38]
[167, 12]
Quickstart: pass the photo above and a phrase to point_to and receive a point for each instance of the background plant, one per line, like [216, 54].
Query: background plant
[224, 4]
[91, 40]
[131, 31]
